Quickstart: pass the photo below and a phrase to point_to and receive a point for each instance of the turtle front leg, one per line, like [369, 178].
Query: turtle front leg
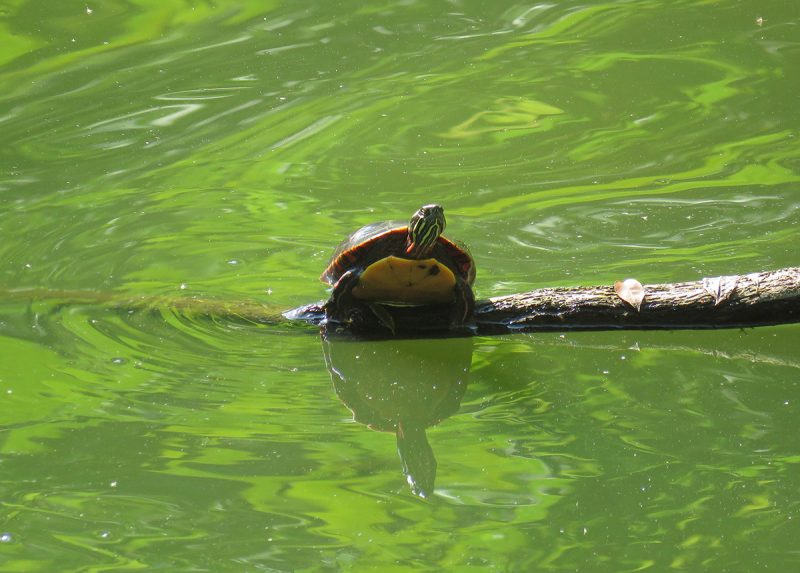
[344, 308]
[341, 305]
[463, 306]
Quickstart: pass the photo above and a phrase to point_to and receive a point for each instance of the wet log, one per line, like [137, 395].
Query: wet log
[757, 299]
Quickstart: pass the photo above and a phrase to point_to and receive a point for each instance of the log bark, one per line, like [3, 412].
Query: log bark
[757, 299]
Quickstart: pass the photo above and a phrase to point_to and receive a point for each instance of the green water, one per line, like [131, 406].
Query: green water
[222, 149]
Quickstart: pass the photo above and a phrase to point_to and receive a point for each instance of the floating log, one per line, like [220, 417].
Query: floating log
[757, 299]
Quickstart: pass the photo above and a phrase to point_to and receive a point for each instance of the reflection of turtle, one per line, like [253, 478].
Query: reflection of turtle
[386, 263]
[402, 387]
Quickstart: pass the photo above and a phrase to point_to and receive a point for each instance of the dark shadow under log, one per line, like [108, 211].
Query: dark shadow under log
[757, 299]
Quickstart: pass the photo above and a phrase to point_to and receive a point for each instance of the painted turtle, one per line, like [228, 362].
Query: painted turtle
[391, 264]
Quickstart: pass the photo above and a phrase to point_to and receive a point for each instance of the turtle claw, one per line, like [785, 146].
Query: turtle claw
[461, 316]
[341, 307]
[383, 316]
[352, 315]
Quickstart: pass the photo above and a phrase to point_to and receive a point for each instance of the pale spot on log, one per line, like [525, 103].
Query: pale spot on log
[721, 288]
[630, 291]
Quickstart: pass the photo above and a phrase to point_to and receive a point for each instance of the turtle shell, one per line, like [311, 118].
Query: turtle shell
[380, 251]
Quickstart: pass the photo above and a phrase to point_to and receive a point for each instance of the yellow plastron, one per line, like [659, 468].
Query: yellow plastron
[406, 281]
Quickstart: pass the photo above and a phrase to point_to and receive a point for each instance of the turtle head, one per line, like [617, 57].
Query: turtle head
[424, 229]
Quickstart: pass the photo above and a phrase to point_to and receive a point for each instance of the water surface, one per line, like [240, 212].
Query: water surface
[170, 149]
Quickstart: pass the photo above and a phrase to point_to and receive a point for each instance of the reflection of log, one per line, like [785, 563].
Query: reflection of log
[756, 299]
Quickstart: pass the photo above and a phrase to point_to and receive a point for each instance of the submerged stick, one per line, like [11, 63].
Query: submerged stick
[248, 310]
[756, 299]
